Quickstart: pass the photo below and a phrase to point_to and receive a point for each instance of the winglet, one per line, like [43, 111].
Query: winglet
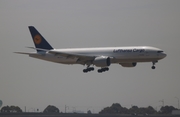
[39, 40]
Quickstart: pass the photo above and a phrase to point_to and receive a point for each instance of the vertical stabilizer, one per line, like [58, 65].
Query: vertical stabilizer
[39, 40]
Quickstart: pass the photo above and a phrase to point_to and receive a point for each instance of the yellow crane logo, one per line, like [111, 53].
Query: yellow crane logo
[37, 39]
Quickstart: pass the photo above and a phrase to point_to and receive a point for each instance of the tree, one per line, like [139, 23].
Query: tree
[15, 109]
[5, 109]
[134, 109]
[89, 112]
[11, 109]
[51, 109]
[151, 110]
[142, 110]
[167, 109]
[115, 108]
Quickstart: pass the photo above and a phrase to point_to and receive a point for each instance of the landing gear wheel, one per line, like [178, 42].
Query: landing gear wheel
[91, 68]
[154, 62]
[153, 67]
[107, 69]
[103, 70]
[88, 69]
[85, 70]
[99, 71]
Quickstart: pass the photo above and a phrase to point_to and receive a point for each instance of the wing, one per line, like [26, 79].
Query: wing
[81, 58]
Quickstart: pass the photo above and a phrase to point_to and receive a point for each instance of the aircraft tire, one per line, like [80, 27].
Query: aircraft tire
[107, 69]
[99, 71]
[85, 70]
[91, 68]
[153, 67]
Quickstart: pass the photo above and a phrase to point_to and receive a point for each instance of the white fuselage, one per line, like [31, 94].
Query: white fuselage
[117, 54]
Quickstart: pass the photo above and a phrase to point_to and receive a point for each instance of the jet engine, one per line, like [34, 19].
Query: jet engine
[128, 64]
[102, 61]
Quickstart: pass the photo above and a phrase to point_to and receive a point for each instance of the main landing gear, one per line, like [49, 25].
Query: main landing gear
[154, 62]
[103, 70]
[88, 69]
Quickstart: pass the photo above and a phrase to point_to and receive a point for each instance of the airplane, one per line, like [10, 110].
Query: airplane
[101, 57]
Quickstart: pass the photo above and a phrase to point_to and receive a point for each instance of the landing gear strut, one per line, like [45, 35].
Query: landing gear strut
[154, 62]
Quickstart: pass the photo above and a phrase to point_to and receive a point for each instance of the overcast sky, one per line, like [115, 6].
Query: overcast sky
[34, 83]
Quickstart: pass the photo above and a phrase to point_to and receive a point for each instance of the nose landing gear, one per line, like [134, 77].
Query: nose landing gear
[153, 67]
[154, 62]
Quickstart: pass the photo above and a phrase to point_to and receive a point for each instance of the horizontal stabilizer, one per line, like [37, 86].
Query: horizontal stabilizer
[38, 49]
[22, 53]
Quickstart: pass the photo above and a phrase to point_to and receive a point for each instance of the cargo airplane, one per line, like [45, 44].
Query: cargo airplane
[101, 57]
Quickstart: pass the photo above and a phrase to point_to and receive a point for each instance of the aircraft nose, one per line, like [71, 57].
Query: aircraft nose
[163, 55]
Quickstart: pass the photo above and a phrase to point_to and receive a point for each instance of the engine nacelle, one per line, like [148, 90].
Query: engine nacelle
[128, 64]
[102, 61]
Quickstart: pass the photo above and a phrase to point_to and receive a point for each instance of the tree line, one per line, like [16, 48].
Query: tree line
[115, 108]
[16, 109]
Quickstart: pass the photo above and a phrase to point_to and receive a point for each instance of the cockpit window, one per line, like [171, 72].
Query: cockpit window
[159, 51]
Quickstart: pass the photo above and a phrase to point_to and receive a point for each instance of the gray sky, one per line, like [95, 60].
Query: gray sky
[33, 83]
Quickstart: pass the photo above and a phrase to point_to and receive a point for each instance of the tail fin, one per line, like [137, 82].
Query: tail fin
[39, 40]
